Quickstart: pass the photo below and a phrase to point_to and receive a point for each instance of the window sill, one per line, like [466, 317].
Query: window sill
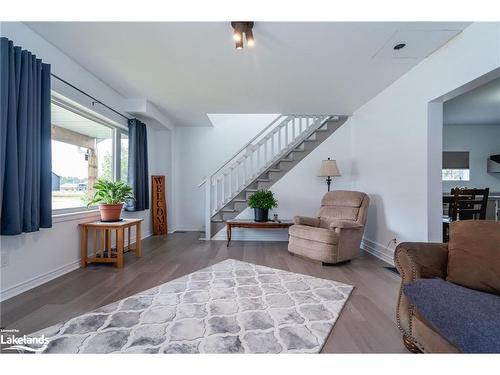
[72, 216]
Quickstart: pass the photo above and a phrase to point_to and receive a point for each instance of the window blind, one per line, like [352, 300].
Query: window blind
[455, 159]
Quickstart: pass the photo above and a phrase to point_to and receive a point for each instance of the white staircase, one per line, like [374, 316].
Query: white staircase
[261, 162]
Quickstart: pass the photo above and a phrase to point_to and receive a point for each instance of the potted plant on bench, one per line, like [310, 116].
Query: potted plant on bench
[262, 201]
[110, 196]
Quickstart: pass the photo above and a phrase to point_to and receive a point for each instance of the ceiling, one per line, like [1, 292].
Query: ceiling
[480, 106]
[191, 69]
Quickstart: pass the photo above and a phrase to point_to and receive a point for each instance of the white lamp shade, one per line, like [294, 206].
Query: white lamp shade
[328, 169]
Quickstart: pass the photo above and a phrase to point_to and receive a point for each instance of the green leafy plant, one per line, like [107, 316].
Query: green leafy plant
[262, 199]
[109, 192]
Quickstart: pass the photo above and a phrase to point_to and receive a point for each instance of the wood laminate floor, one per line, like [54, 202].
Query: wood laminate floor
[366, 325]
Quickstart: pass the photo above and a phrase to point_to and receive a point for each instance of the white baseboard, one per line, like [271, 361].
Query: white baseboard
[186, 229]
[38, 280]
[384, 253]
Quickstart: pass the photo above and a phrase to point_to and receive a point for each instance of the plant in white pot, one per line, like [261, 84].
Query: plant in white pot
[110, 196]
[262, 201]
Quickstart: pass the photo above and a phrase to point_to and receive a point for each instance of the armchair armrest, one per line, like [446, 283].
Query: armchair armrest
[304, 220]
[415, 260]
[344, 224]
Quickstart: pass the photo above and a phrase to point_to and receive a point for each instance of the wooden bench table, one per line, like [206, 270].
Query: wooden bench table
[102, 236]
[246, 223]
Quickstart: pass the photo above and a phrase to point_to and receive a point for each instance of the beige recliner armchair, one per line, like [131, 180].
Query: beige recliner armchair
[335, 235]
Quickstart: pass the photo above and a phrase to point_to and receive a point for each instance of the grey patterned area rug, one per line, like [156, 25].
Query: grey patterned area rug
[230, 307]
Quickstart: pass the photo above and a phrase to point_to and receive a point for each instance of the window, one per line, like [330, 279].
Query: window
[82, 152]
[455, 166]
[456, 175]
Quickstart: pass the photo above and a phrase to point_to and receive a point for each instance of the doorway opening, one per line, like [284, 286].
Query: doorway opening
[463, 141]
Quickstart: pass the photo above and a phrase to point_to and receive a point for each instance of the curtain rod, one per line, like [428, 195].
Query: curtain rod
[90, 96]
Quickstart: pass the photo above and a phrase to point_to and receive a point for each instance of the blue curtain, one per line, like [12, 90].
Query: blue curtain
[25, 135]
[138, 176]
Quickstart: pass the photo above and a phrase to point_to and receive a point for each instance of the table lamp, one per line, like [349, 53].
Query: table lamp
[328, 169]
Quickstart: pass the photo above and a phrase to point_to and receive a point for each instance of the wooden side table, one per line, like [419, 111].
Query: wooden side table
[102, 236]
[244, 223]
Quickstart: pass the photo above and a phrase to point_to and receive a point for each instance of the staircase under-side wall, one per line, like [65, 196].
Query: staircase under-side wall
[261, 163]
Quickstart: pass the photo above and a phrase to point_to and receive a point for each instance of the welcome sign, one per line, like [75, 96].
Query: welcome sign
[159, 207]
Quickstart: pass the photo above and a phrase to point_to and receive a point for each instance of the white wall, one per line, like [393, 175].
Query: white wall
[200, 151]
[481, 141]
[299, 192]
[30, 259]
[392, 139]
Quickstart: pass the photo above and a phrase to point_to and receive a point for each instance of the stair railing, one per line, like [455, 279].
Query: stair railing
[271, 144]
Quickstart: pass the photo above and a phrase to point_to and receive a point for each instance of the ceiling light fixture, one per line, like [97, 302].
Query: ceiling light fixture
[238, 33]
[239, 43]
[243, 30]
[250, 39]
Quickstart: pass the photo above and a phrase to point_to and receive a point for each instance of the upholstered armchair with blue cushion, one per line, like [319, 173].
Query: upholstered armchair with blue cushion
[449, 300]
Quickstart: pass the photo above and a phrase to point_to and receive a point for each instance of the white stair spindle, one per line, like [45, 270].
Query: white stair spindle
[230, 182]
[272, 145]
[212, 197]
[245, 170]
[286, 134]
[218, 191]
[265, 152]
[279, 140]
[237, 176]
[208, 208]
[223, 190]
[252, 167]
[258, 158]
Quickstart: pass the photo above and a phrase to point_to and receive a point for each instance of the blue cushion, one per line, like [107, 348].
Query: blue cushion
[467, 318]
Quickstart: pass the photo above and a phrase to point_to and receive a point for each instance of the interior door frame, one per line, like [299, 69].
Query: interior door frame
[435, 153]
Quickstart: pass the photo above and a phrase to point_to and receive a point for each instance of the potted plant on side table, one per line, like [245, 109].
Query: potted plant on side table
[262, 201]
[110, 196]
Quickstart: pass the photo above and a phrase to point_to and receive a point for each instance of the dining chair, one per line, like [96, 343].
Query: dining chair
[465, 204]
